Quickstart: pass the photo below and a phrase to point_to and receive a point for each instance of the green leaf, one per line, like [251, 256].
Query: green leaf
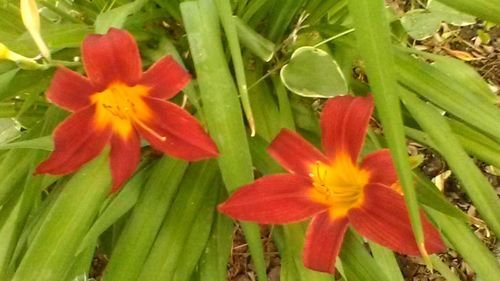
[464, 241]
[357, 263]
[421, 24]
[136, 239]
[484, 9]
[120, 204]
[43, 143]
[117, 17]
[386, 259]
[312, 72]
[170, 243]
[213, 263]
[475, 184]
[54, 246]
[197, 239]
[256, 43]
[449, 14]
[225, 126]
[374, 43]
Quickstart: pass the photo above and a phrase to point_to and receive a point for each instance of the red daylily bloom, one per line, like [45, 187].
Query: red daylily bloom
[116, 105]
[334, 189]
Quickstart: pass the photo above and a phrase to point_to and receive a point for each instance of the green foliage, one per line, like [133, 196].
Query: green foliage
[257, 66]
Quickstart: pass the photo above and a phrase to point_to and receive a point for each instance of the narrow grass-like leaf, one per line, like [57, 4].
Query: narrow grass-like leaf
[353, 255]
[281, 17]
[374, 43]
[485, 9]
[197, 239]
[266, 114]
[441, 90]
[123, 202]
[285, 109]
[171, 239]
[256, 43]
[141, 228]
[475, 184]
[221, 108]
[443, 269]
[50, 254]
[213, 263]
[387, 261]
[430, 196]
[81, 266]
[229, 25]
[11, 179]
[44, 143]
[475, 253]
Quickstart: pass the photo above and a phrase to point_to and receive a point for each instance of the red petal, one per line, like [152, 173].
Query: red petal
[184, 137]
[111, 57]
[165, 78]
[76, 142]
[323, 242]
[294, 153]
[344, 122]
[69, 90]
[275, 199]
[124, 157]
[383, 218]
[381, 167]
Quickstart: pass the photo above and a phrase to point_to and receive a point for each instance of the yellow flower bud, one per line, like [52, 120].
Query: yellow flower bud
[31, 20]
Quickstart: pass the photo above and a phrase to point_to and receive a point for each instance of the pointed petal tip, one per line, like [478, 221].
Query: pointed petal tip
[323, 242]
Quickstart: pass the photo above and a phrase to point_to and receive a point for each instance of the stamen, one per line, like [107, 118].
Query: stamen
[151, 131]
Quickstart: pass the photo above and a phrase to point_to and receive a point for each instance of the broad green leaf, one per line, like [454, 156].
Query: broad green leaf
[12, 178]
[265, 111]
[281, 17]
[50, 254]
[386, 259]
[449, 14]
[484, 9]
[465, 242]
[141, 228]
[225, 126]
[357, 263]
[312, 72]
[440, 89]
[5, 79]
[256, 43]
[421, 24]
[226, 18]
[170, 242]
[57, 36]
[443, 269]
[117, 17]
[475, 184]
[374, 44]
[43, 143]
[200, 233]
[9, 130]
[120, 204]
[213, 263]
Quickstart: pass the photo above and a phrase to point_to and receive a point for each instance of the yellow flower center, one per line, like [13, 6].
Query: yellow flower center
[119, 106]
[339, 185]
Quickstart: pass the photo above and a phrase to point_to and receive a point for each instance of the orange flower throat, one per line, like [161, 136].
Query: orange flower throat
[120, 106]
[338, 185]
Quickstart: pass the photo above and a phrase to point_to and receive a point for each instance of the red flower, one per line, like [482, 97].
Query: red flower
[116, 105]
[333, 189]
